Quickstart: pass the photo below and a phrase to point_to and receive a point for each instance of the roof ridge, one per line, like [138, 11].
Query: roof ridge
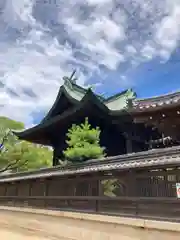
[111, 98]
[159, 96]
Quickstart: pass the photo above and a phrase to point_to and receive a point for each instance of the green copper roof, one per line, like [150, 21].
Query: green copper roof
[75, 94]
[80, 99]
[89, 99]
[73, 98]
[116, 102]
[120, 101]
[74, 90]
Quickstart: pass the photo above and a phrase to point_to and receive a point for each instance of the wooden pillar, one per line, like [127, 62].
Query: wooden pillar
[100, 188]
[131, 184]
[129, 147]
[99, 193]
[17, 188]
[55, 158]
[30, 188]
[5, 189]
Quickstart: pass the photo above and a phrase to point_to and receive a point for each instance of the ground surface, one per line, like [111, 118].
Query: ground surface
[16, 226]
[10, 235]
[52, 225]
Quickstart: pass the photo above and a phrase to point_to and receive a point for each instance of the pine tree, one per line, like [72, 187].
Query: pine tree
[83, 143]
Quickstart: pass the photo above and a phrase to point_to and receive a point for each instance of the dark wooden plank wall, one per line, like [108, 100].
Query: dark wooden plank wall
[145, 193]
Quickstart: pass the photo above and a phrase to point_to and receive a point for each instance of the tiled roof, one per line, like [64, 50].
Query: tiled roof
[156, 102]
[151, 158]
[77, 94]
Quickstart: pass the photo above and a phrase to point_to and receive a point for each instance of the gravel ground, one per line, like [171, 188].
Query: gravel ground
[21, 226]
[5, 234]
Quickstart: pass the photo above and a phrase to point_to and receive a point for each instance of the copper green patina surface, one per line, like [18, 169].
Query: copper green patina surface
[79, 98]
[77, 94]
[72, 98]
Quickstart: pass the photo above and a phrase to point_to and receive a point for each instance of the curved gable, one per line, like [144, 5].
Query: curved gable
[120, 101]
[67, 98]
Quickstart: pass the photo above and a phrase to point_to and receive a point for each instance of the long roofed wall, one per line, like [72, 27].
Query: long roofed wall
[152, 159]
[136, 184]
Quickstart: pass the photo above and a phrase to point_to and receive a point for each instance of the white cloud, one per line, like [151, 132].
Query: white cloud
[38, 47]
[98, 37]
[168, 30]
[98, 2]
[148, 51]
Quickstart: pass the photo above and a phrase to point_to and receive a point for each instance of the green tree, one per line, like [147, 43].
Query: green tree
[18, 155]
[83, 143]
[7, 123]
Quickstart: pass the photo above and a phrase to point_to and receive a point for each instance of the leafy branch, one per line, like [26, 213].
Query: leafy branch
[13, 165]
[17, 163]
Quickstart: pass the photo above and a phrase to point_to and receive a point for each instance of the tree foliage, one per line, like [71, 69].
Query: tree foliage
[18, 155]
[83, 143]
[7, 123]
[108, 187]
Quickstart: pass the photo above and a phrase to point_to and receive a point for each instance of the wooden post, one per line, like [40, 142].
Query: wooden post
[55, 158]
[5, 189]
[99, 193]
[132, 191]
[30, 188]
[129, 147]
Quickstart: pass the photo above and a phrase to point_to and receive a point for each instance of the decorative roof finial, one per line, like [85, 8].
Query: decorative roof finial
[71, 78]
[72, 75]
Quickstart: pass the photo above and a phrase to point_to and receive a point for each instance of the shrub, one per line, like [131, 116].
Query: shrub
[83, 143]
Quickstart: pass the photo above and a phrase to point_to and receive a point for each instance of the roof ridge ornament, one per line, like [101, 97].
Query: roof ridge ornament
[133, 94]
[70, 79]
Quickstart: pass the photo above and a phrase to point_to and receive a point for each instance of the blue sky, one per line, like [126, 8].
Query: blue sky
[113, 44]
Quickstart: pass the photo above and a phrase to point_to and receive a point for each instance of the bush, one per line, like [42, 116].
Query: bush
[83, 143]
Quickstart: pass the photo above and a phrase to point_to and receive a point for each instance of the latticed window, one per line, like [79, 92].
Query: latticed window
[156, 186]
[82, 189]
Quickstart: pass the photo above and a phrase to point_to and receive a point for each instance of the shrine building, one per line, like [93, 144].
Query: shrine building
[127, 124]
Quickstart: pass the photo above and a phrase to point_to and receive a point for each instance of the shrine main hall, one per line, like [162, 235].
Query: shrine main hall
[128, 124]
